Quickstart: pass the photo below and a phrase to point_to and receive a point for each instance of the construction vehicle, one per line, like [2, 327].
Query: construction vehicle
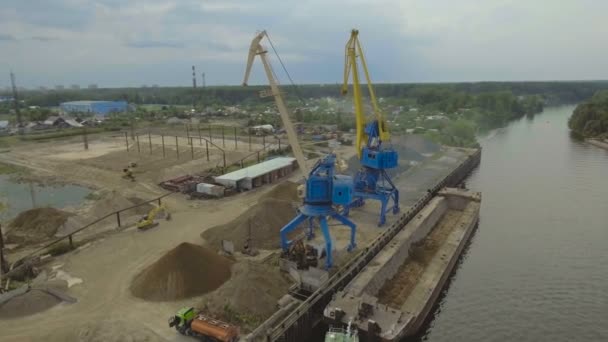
[324, 189]
[190, 323]
[149, 220]
[303, 255]
[128, 174]
[372, 140]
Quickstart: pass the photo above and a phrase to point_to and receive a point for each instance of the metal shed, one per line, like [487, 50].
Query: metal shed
[258, 174]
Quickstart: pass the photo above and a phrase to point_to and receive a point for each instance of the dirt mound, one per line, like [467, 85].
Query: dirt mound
[33, 301]
[286, 191]
[113, 201]
[36, 225]
[187, 270]
[252, 292]
[267, 217]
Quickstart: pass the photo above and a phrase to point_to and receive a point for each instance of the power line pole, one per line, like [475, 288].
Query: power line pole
[193, 78]
[16, 102]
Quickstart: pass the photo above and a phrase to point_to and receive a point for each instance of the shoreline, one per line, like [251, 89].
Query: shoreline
[598, 143]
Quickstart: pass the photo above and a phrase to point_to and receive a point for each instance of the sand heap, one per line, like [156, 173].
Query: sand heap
[113, 201]
[267, 217]
[187, 270]
[33, 301]
[36, 225]
[254, 289]
[286, 191]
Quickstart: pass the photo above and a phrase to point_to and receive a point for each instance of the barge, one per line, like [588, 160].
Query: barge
[393, 295]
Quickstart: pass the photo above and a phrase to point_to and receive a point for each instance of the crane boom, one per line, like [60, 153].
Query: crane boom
[256, 48]
[354, 50]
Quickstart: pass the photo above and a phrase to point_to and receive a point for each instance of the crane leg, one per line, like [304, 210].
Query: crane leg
[384, 200]
[396, 208]
[329, 262]
[293, 224]
[311, 229]
[353, 230]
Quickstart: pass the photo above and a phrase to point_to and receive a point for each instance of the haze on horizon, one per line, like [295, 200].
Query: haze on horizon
[130, 43]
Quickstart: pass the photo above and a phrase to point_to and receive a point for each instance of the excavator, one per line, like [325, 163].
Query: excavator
[148, 220]
[375, 154]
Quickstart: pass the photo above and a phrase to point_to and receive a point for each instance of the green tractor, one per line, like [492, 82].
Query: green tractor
[181, 320]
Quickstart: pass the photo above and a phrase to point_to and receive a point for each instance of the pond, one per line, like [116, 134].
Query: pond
[20, 196]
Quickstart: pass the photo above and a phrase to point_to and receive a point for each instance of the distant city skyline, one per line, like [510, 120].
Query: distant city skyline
[117, 43]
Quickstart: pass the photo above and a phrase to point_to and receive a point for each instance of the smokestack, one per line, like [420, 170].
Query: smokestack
[193, 78]
[204, 84]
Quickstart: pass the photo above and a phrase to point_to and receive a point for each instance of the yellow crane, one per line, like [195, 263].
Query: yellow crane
[354, 50]
[256, 49]
[371, 181]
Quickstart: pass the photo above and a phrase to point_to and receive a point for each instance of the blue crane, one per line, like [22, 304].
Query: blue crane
[372, 140]
[324, 189]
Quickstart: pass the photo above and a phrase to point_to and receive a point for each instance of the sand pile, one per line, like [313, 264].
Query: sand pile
[36, 225]
[267, 217]
[286, 191]
[113, 201]
[253, 290]
[33, 301]
[187, 270]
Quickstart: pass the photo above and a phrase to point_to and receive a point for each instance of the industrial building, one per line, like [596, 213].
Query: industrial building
[258, 174]
[95, 107]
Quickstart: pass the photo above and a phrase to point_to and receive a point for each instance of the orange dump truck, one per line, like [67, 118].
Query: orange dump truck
[190, 323]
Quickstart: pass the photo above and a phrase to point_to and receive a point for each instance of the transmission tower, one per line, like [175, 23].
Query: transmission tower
[16, 102]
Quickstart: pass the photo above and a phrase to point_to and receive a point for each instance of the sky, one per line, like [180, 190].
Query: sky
[116, 43]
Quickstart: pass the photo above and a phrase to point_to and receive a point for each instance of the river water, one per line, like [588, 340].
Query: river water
[537, 267]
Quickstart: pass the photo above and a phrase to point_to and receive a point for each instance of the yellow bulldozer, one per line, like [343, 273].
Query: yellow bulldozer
[149, 220]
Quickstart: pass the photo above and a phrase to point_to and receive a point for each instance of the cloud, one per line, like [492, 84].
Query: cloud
[227, 6]
[155, 44]
[44, 38]
[404, 40]
[7, 37]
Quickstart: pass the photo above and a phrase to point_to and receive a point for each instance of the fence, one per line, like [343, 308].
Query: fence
[207, 146]
[70, 236]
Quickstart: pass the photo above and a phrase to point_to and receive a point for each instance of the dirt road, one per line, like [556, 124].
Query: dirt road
[106, 310]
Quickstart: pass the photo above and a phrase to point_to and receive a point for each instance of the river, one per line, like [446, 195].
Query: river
[537, 267]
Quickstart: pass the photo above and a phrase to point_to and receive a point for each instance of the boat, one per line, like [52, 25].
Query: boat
[338, 334]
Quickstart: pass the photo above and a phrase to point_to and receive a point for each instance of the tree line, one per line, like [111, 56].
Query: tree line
[552, 93]
[590, 118]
